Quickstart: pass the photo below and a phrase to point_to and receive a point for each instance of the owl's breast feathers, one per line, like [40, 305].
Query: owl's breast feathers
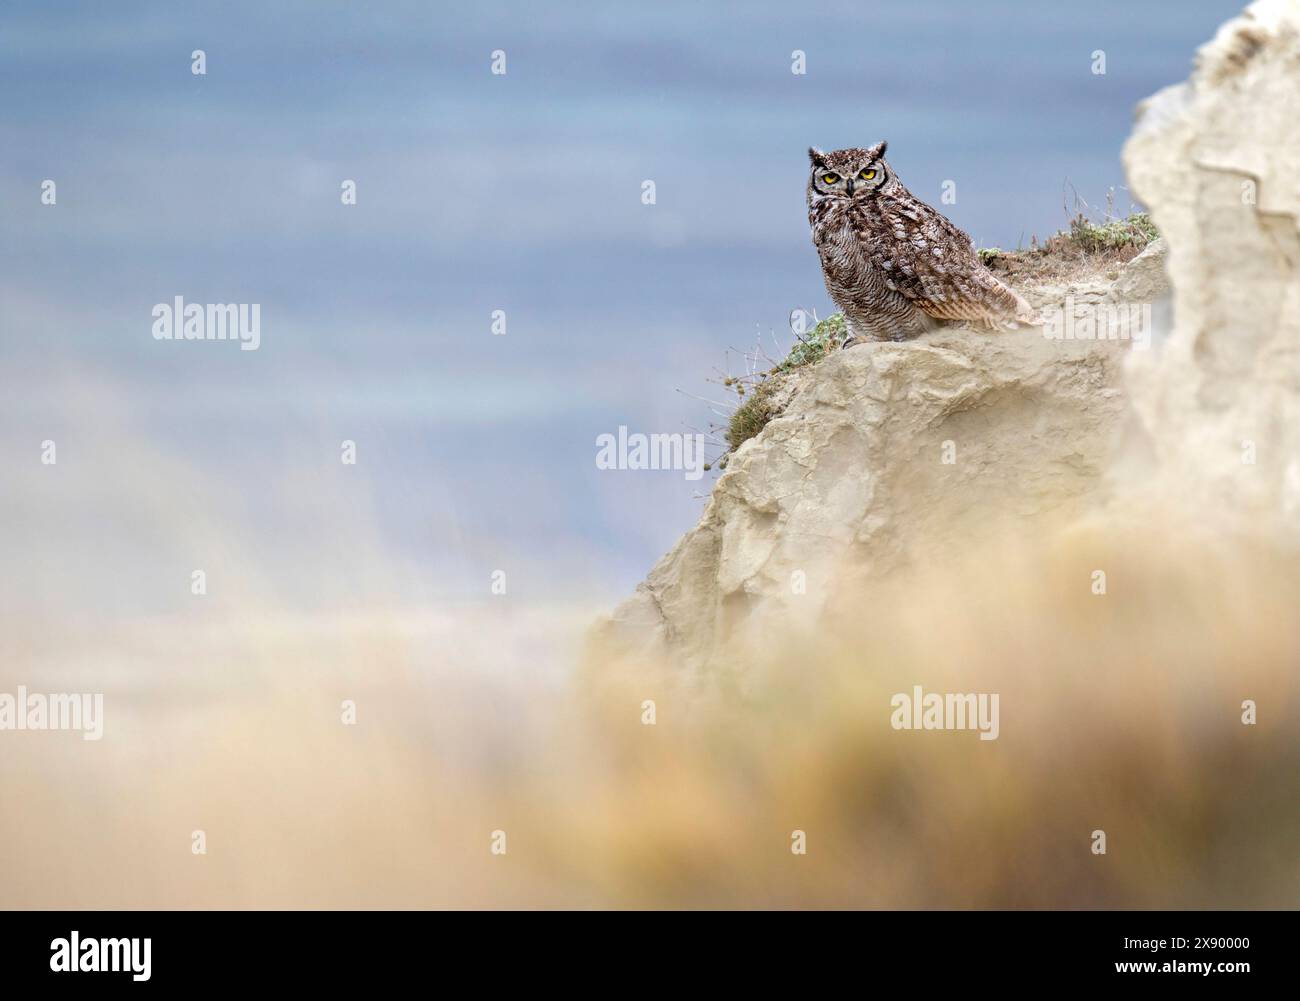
[928, 260]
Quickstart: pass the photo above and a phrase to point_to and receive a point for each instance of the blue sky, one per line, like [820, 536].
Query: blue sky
[475, 192]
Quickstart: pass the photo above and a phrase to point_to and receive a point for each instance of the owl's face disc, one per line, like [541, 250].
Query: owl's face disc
[849, 174]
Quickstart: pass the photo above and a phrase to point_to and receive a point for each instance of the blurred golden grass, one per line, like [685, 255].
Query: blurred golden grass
[1118, 712]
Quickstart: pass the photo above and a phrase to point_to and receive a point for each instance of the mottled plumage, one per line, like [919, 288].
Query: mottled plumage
[893, 264]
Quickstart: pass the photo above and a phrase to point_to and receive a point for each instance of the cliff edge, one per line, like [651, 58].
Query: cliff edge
[885, 453]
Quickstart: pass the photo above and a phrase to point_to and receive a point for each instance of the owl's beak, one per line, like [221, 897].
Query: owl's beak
[849, 185]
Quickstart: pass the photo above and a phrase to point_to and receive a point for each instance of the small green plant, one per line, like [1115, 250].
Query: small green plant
[824, 338]
[1136, 230]
[757, 390]
[1084, 248]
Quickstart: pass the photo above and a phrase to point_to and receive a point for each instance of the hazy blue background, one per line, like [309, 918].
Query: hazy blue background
[476, 192]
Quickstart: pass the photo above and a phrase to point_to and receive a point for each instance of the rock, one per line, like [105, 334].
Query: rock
[884, 451]
[1143, 279]
[1217, 162]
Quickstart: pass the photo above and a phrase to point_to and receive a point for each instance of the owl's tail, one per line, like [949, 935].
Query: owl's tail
[1016, 311]
[1026, 315]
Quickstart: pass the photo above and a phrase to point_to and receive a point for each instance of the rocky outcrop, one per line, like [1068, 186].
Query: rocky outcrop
[1217, 162]
[1145, 279]
[885, 452]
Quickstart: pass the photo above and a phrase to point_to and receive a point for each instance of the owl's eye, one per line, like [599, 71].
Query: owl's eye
[830, 178]
[867, 175]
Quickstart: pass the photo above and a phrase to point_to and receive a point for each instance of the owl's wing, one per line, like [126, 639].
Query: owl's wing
[927, 259]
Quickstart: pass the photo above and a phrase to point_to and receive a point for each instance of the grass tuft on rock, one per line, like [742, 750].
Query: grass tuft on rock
[1084, 248]
[752, 415]
[758, 397]
[1134, 231]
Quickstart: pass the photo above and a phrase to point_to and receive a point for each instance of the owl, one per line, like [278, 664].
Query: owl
[893, 264]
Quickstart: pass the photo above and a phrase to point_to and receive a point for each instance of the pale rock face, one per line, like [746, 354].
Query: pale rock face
[1217, 161]
[1144, 279]
[850, 482]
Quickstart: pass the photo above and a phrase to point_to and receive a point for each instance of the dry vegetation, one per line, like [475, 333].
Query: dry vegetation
[1118, 712]
[1085, 249]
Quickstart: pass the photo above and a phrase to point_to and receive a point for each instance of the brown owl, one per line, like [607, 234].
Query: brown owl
[893, 264]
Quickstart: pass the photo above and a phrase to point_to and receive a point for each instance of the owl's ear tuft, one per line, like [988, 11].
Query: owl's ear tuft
[817, 157]
[878, 150]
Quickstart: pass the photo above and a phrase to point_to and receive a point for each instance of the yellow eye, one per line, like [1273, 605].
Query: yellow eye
[867, 175]
[830, 178]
